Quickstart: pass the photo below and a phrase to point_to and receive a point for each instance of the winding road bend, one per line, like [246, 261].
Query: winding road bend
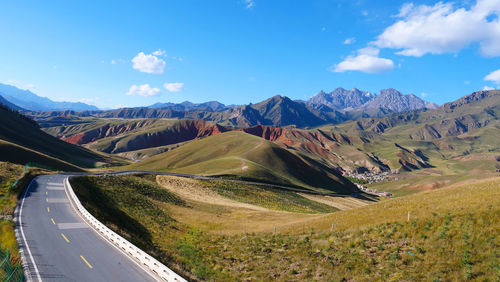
[58, 245]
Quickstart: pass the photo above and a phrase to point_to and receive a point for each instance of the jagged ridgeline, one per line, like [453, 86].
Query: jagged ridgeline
[399, 141]
[337, 106]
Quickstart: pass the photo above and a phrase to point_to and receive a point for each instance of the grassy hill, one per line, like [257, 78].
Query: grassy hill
[22, 141]
[441, 142]
[245, 156]
[451, 234]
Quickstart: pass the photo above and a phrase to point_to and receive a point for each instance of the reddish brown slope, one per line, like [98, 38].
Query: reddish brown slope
[183, 130]
[317, 142]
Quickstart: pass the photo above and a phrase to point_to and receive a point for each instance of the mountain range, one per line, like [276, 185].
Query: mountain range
[335, 107]
[415, 139]
[28, 100]
[355, 99]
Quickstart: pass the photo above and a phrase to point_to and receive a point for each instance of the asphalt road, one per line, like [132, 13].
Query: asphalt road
[59, 246]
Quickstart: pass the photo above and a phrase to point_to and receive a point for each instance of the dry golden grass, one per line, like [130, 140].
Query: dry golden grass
[341, 203]
[452, 234]
[457, 198]
[191, 189]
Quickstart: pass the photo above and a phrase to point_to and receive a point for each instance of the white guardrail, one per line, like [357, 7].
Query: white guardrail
[138, 255]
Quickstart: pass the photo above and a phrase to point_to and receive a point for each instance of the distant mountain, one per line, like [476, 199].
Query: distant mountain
[281, 111]
[9, 105]
[395, 101]
[335, 107]
[341, 99]
[411, 140]
[188, 106]
[478, 110]
[388, 100]
[32, 102]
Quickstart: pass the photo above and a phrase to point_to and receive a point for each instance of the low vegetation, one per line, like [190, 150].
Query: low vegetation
[9, 173]
[9, 193]
[269, 198]
[452, 234]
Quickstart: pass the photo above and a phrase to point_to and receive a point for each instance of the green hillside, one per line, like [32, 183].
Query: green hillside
[461, 129]
[451, 234]
[22, 141]
[249, 157]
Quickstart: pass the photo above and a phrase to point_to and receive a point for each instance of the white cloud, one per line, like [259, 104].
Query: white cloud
[160, 52]
[369, 51]
[423, 95]
[90, 101]
[366, 60]
[442, 28]
[364, 13]
[249, 3]
[323, 29]
[174, 86]
[117, 61]
[143, 90]
[349, 41]
[488, 88]
[493, 76]
[405, 10]
[148, 63]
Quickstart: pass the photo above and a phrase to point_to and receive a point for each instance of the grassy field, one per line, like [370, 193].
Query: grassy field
[452, 233]
[248, 157]
[158, 220]
[267, 198]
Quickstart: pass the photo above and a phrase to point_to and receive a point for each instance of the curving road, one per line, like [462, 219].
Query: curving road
[58, 245]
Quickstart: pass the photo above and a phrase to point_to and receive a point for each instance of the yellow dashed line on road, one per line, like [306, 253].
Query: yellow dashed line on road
[88, 264]
[47, 200]
[65, 238]
[46, 192]
[53, 221]
[48, 209]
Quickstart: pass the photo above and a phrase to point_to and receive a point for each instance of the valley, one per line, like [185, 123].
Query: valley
[361, 197]
[250, 140]
[427, 143]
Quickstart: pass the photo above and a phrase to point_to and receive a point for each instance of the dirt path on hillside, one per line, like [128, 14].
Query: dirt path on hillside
[191, 189]
[341, 203]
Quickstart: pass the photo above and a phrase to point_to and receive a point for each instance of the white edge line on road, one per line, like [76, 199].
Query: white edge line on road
[106, 239]
[22, 233]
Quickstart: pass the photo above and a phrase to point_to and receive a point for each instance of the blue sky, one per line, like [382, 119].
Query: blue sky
[117, 53]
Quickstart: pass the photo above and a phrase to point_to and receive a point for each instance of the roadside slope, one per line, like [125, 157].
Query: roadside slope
[29, 141]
